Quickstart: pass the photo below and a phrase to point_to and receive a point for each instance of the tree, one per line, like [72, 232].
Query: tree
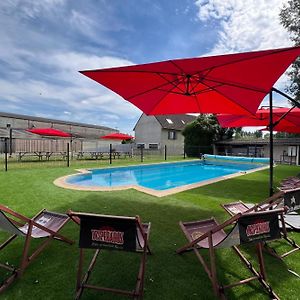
[258, 134]
[280, 135]
[202, 133]
[290, 19]
[238, 133]
[127, 142]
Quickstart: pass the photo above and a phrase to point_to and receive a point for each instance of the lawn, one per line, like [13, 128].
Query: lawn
[168, 275]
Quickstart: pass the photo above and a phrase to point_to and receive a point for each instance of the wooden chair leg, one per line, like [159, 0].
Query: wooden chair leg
[82, 280]
[79, 276]
[8, 281]
[261, 261]
[63, 239]
[213, 269]
[139, 290]
[10, 239]
[24, 261]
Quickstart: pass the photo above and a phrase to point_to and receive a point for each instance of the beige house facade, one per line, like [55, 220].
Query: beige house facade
[156, 132]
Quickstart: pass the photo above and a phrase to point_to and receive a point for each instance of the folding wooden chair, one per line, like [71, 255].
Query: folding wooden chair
[289, 183]
[255, 228]
[45, 224]
[273, 202]
[111, 233]
[290, 199]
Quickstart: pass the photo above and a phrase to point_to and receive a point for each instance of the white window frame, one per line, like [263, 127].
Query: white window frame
[292, 151]
[139, 145]
[172, 135]
[151, 144]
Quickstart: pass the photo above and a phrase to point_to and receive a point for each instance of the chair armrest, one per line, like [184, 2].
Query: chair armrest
[73, 217]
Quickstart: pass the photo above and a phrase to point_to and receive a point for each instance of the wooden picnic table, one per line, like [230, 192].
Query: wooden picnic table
[41, 154]
[101, 154]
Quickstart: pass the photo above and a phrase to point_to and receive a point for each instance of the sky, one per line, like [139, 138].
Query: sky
[45, 43]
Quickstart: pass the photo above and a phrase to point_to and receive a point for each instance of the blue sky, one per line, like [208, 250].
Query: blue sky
[45, 43]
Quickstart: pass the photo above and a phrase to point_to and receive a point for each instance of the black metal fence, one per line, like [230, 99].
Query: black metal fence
[66, 155]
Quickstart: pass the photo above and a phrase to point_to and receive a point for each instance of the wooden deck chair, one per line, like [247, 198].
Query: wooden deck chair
[111, 233]
[45, 224]
[289, 199]
[273, 202]
[290, 183]
[292, 202]
[208, 234]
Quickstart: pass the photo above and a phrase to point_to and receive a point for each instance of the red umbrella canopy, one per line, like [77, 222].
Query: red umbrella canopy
[117, 136]
[283, 128]
[233, 83]
[285, 116]
[49, 132]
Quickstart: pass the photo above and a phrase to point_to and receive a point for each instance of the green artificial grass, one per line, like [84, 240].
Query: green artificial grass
[168, 275]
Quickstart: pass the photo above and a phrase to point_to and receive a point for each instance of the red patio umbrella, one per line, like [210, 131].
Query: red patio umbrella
[49, 132]
[117, 136]
[282, 117]
[282, 128]
[233, 83]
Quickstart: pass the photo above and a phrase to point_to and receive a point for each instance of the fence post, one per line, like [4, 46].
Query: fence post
[68, 154]
[8, 126]
[142, 153]
[5, 153]
[165, 152]
[71, 148]
[110, 153]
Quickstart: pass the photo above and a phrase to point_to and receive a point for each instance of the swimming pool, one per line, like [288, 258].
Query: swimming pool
[158, 177]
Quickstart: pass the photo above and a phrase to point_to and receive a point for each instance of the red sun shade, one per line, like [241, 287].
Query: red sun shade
[117, 136]
[233, 83]
[49, 132]
[287, 129]
[284, 116]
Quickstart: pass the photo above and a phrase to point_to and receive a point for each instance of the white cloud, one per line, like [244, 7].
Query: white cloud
[42, 68]
[45, 43]
[245, 25]
[216, 9]
[87, 26]
[43, 46]
[80, 98]
[30, 8]
[76, 61]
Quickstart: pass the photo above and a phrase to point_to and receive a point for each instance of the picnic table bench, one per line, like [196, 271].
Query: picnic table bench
[41, 154]
[99, 154]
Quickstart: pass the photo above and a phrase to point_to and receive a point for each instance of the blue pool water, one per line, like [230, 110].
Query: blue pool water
[159, 176]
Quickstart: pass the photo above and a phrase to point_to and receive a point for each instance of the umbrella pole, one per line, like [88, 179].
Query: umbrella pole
[271, 144]
[297, 104]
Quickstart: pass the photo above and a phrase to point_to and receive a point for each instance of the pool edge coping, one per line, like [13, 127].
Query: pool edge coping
[61, 182]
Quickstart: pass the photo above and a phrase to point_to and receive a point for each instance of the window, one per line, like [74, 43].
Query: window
[140, 146]
[172, 135]
[292, 151]
[153, 146]
[169, 121]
